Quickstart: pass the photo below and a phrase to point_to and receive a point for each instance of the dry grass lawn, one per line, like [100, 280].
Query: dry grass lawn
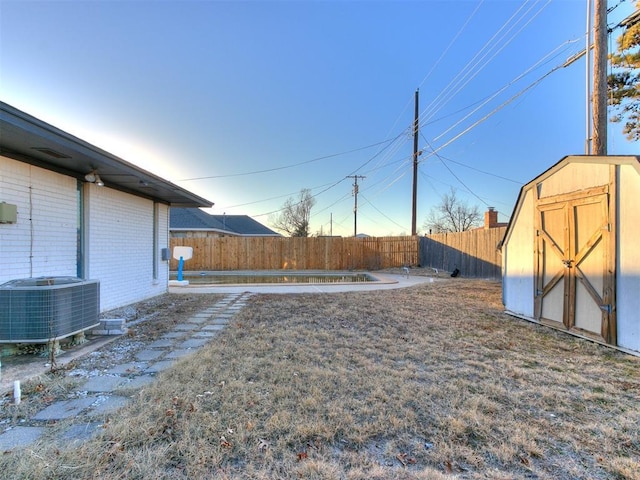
[428, 382]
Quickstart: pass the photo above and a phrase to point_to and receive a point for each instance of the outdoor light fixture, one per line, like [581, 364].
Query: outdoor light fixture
[93, 177]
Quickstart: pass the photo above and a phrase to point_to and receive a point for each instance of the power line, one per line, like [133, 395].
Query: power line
[442, 158]
[471, 70]
[456, 177]
[255, 172]
[381, 213]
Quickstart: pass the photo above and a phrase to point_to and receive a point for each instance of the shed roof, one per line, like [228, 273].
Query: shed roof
[30, 140]
[608, 159]
[194, 219]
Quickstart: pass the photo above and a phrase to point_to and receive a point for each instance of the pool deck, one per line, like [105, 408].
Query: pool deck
[386, 281]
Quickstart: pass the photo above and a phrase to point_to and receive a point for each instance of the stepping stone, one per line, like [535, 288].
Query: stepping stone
[161, 365]
[127, 368]
[177, 354]
[213, 327]
[107, 404]
[194, 343]
[162, 343]
[138, 382]
[198, 320]
[204, 334]
[78, 433]
[65, 409]
[102, 384]
[20, 437]
[185, 327]
[220, 321]
[172, 335]
[147, 355]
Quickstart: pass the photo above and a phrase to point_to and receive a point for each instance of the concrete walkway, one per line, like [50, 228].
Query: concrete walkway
[96, 399]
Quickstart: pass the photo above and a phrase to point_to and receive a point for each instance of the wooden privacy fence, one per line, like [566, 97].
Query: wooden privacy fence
[298, 253]
[475, 252]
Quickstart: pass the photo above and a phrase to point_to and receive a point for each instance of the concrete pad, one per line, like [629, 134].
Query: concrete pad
[147, 355]
[193, 343]
[161, 365]
[64, 409]
[102, 384]
[20, 437]
[130, 368]
[107, 404]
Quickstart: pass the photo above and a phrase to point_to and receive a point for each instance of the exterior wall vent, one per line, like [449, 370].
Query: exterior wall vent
[39, 310]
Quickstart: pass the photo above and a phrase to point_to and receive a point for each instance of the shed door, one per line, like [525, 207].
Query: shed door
[574, 290]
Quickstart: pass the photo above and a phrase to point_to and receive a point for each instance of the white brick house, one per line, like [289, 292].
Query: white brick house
[68, 226]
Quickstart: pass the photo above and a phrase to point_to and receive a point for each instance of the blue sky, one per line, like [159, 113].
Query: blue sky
[245, 103]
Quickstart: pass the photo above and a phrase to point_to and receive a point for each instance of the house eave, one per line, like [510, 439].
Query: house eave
[27, 139]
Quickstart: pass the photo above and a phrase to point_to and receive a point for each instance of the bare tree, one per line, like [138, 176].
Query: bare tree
[294, 216]
[452, 215]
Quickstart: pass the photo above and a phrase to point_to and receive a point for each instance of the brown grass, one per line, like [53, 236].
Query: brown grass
[427, 382]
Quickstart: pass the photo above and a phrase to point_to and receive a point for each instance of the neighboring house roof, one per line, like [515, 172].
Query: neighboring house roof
[194, 219]
[29, 140]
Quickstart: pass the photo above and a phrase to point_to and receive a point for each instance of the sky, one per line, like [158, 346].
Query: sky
[246, 103]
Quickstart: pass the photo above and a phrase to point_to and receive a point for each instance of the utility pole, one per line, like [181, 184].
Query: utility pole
[414, 202]
[355, 206]
[600, 54]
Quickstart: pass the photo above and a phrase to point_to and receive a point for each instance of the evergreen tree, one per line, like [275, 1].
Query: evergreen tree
[624, 82]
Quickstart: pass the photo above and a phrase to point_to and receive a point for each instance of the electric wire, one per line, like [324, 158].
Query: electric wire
[481, 171]
[284, 167]
[519, 77]
[471, 70]
[446, 50]
[368, 202]
[456, 177]
[498, 108]
[393, 145]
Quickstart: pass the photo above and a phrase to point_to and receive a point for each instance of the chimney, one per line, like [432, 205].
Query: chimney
[490, 218]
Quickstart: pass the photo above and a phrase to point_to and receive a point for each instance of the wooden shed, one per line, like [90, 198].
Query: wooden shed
[571, 252]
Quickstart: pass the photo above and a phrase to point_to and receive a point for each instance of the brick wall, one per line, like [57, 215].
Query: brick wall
[43, 240]
[120, 249]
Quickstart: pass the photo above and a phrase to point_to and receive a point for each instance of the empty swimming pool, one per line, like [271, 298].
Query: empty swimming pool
[273, 277]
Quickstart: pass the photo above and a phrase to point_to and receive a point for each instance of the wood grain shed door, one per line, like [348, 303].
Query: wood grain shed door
[574, 289]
